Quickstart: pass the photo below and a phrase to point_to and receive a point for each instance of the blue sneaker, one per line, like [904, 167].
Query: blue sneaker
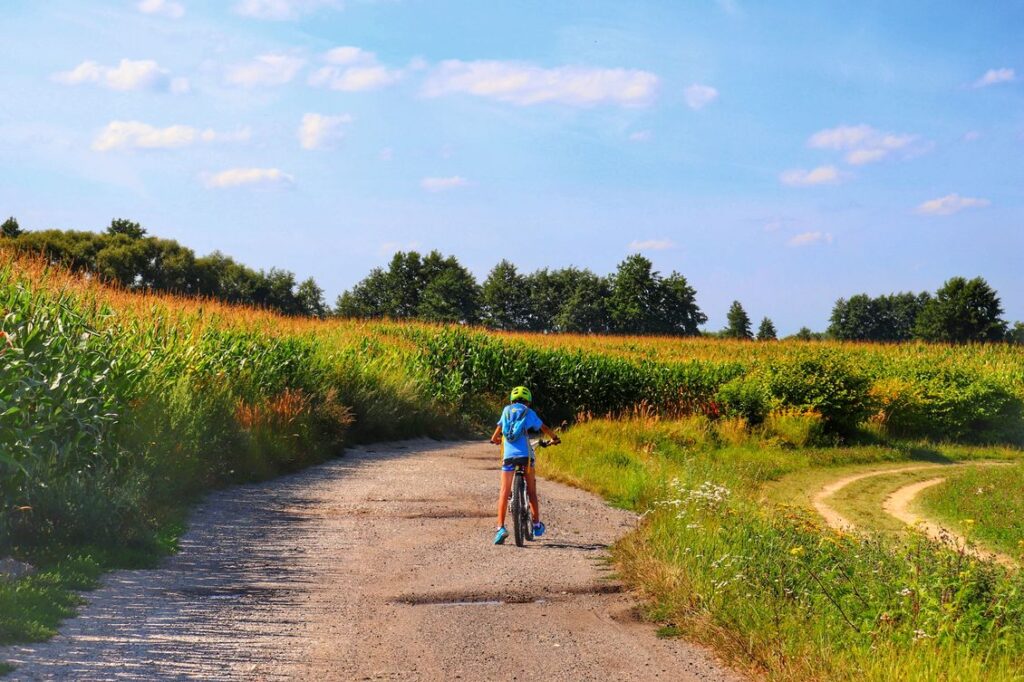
[538, 529]
[499, 537]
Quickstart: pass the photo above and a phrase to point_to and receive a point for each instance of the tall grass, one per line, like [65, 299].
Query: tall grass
[768, 585]
[984, 504]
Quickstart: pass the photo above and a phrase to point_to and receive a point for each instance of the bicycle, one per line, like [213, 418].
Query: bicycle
[518, 505]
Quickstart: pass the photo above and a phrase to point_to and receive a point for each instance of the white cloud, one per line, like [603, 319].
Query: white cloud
[822, 175]
[280, 10]
[317, 131]
[442, 184]
[526, 84]
[996, 76]
[347, 55]
[137, 135]
[236, 177]
[949, 204]
[640, 136]
[862, 143]
[353, 69]
[699, 96]
[355, 78]
[266, 69]
[808, 238]
[167, 8]
[129, 74]
[651, 245]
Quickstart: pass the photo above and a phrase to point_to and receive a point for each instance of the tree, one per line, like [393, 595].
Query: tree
[856, 319]
[634, 289]
[586, 308]
[505, 298]
[451, 295]
[766, 331]
[962, 311]
[738, 326]
[311, 299]
[886, 318]
[10, 228]
[369, 298]
[128, 228]
[679, 313]
[805, 334]
[406, 280]
[1016, 334]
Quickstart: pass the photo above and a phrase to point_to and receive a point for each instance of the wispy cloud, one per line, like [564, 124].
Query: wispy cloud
[442, 184]
[281, 10]
[808, 238]
[699, 96]
[949, 204]
[267, 69]
[138, 135]
[353, 69]
[167, 8]
[318, 131]
[237, 177]
[651, 245]
[822, 175]
[862, 143]
[526, 84]
[129, 74]
[640, 136]
[996, 76]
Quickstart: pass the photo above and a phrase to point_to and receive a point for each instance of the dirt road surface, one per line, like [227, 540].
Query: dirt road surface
[376, 566]
[899, 505]
[834, 518]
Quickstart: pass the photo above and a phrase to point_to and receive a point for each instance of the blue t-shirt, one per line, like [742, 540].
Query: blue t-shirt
[521, 446]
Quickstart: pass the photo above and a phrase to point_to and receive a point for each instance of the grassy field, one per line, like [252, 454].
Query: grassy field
[986, 505]
[117, 410]
[766, 583]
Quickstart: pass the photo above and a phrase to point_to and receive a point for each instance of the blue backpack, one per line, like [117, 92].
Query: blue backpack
[514, 425]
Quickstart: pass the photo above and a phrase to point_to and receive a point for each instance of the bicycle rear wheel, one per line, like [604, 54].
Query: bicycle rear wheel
[518, 509]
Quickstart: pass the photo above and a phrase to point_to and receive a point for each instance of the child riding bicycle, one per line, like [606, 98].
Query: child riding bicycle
[517, 420]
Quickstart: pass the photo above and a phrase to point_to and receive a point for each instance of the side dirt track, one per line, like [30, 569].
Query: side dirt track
[374, 566]
[899, 504]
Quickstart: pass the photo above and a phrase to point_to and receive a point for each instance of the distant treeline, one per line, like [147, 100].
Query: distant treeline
[125, 254]
[635, 299]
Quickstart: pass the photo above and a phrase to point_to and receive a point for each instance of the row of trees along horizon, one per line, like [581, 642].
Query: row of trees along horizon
[635, 299]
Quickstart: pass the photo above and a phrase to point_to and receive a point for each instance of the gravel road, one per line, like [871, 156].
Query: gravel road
[375, 566]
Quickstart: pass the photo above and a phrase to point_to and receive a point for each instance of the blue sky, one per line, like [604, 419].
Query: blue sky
[776, 153]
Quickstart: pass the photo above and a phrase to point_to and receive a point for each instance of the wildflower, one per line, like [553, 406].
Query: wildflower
[797, 551]
[920, 634]
[906, 592]
[969, 523]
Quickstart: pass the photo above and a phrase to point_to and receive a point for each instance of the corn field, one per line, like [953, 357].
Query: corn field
[115, 406]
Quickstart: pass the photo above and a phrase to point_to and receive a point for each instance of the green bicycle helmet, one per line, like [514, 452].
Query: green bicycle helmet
[521, 393]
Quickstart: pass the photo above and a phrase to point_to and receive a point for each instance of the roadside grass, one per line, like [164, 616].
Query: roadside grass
[766, 584]
[985, 505]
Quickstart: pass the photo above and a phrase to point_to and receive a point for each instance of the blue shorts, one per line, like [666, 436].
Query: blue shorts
[511, 463]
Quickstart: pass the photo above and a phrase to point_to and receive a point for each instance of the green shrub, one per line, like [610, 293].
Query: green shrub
[825, 382]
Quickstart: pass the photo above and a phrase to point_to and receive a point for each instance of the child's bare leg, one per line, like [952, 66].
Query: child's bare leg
[506, 490]
[531, 490]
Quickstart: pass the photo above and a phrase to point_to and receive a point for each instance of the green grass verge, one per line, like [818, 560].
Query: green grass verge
[985, 504]
[771, 588]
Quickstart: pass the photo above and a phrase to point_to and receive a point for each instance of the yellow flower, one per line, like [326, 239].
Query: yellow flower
[969, 522]
[797, 551]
